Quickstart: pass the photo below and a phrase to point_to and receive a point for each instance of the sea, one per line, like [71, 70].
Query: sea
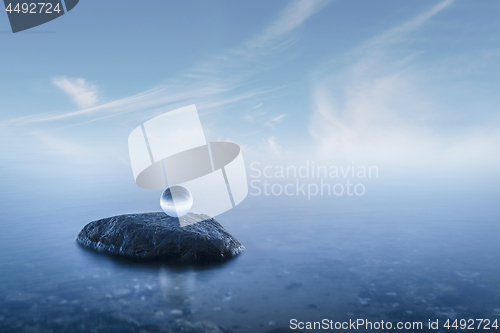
[420, 254]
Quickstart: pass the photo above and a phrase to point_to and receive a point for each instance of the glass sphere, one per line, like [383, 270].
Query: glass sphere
[176, 201]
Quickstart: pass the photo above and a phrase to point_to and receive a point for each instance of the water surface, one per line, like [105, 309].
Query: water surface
[395, 254]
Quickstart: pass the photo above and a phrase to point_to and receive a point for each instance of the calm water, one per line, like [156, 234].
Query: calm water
[397, 254]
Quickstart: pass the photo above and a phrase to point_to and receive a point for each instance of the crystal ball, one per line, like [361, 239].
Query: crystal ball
[176, 201]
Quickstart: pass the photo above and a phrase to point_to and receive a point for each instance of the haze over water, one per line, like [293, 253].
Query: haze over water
[400, 252]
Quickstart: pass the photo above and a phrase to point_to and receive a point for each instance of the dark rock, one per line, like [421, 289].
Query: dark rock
[158, 236]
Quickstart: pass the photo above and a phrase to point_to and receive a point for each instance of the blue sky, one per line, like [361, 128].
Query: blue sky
[409, 86]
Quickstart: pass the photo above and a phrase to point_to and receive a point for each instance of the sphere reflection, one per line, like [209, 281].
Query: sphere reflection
[176, 201]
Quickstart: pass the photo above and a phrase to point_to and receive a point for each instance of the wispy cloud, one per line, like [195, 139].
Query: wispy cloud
[379, 110]
[273, 146]
[291, 18]
[210, 84]
[273, 121]
[255, 113]
[79, 90]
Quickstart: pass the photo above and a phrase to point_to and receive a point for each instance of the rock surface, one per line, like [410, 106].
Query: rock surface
[158, 236]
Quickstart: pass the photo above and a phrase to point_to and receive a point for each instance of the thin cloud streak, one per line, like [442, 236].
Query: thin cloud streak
[273, 146]
[396, 34]
[145, 100]
[272, 122]
[291, 18]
